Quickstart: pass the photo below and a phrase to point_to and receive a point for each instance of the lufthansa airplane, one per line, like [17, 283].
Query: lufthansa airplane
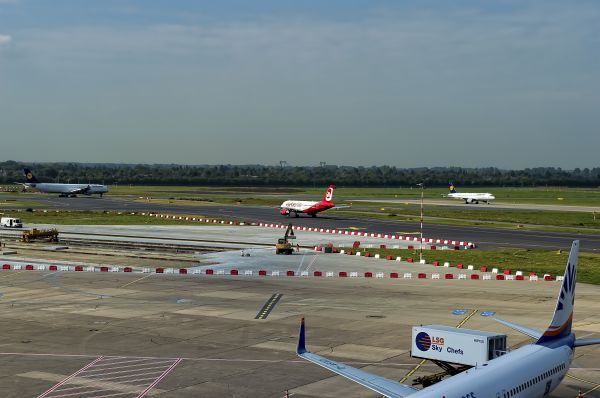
[470, 197]
[531, 371]
[64, 190]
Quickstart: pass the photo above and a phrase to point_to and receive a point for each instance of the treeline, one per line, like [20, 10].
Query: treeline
[260, 175]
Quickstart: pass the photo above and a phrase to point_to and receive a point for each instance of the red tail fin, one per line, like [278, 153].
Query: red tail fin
[328, 195]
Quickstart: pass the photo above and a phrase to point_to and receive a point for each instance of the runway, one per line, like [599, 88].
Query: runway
[484, 237]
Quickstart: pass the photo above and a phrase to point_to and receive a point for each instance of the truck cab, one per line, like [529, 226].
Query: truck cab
[11, 222]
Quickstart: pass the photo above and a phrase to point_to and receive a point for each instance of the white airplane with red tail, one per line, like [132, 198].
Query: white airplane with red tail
[293, 208]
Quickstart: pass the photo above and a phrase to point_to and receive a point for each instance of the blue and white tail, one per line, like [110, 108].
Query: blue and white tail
[29, 177]
[563, 314]
[451, 187]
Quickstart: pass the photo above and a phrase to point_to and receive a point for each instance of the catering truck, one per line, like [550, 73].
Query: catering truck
[458, 346]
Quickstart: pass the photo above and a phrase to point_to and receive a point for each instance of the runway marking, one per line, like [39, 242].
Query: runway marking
[268, 307]
[200, 359]
[592, 390]
[460, 324]
[106, 377]
[137, 280]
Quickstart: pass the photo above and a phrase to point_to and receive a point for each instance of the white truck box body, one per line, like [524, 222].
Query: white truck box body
[11, 222]
[454, 345]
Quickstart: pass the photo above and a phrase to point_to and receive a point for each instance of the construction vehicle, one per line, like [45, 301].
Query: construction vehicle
[30, 235]
[283, 245]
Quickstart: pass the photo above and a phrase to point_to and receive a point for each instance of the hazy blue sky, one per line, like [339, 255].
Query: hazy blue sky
[407, 83]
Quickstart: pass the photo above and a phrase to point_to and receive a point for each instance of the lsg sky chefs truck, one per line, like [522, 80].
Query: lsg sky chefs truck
[448, 346]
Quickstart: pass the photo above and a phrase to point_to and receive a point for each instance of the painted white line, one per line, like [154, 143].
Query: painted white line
[78, 393]
[70, 377]
[166, 372]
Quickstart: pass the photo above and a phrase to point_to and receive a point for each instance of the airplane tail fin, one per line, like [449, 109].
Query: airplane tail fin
[560, 326]
[451, 187]
[29, 177]
[328, 195]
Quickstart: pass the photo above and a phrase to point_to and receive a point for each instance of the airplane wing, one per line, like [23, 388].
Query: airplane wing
[536, 334]
[83, 190]
[386, 387]
[336, 207]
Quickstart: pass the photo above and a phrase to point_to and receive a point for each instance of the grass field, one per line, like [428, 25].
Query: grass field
[526, 260]
[92, 218]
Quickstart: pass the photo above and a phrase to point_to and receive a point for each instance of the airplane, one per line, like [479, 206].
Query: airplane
[64, 190]
[531, 371]
[473, 197]
[292, 208]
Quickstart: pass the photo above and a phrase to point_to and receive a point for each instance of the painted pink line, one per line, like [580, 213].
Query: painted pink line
[166, 372]
[121, 377]
[70, 377]
[100, 369]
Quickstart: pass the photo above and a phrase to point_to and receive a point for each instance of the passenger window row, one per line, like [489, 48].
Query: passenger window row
[535, 380]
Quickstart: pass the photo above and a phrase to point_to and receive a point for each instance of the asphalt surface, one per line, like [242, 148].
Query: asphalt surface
[482, 236]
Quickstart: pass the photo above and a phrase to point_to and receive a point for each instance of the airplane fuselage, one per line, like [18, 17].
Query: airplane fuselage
[474, 197]
[301, 206]
[531, 371]
[69, 189]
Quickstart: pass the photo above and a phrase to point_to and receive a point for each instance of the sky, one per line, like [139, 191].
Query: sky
[509, 84]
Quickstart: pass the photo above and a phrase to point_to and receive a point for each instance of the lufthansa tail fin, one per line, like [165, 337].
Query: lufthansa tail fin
[560, 326]
[29, 177]
[328, 195]
[451, 187]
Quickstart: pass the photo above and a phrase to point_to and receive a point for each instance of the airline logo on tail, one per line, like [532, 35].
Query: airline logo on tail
[29, 177]
[563, 314]
[451, 187]
[329, 194]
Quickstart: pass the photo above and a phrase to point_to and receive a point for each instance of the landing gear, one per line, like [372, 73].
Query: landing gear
[313, 215]
[293, 213]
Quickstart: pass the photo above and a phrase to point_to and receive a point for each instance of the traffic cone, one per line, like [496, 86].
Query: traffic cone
[580, 395]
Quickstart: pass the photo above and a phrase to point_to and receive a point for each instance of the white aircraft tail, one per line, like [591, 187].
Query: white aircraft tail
[560, 326]
[328, 195]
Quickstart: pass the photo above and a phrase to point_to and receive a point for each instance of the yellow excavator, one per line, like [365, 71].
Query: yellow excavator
[283, 245]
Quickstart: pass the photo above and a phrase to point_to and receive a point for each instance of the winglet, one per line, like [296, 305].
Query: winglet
[301, 347]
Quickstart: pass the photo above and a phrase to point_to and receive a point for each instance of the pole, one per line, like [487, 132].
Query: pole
[421, 246]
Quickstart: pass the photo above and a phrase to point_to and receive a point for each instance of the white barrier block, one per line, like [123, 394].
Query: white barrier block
[342, 251]
[396, 247]
[18, 267]
[353, 274]
[379, 275]
[220, 272]
[398, 258]
[41, 267]
[170, 271]
[407, 275]
[248, 272]
[274, 273]
[462, 276]
[519, 273]
[494, 270]
[470, 268]
[197, 271]
[304, 273]
[533, 278]
[487, 277]
[377, 255]
[63, 268]
[90, 269]
[435, 276]
[358, 253]
[422, 261]
[146, 270]
[329, 274]
[560, 278]
[509, 277]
